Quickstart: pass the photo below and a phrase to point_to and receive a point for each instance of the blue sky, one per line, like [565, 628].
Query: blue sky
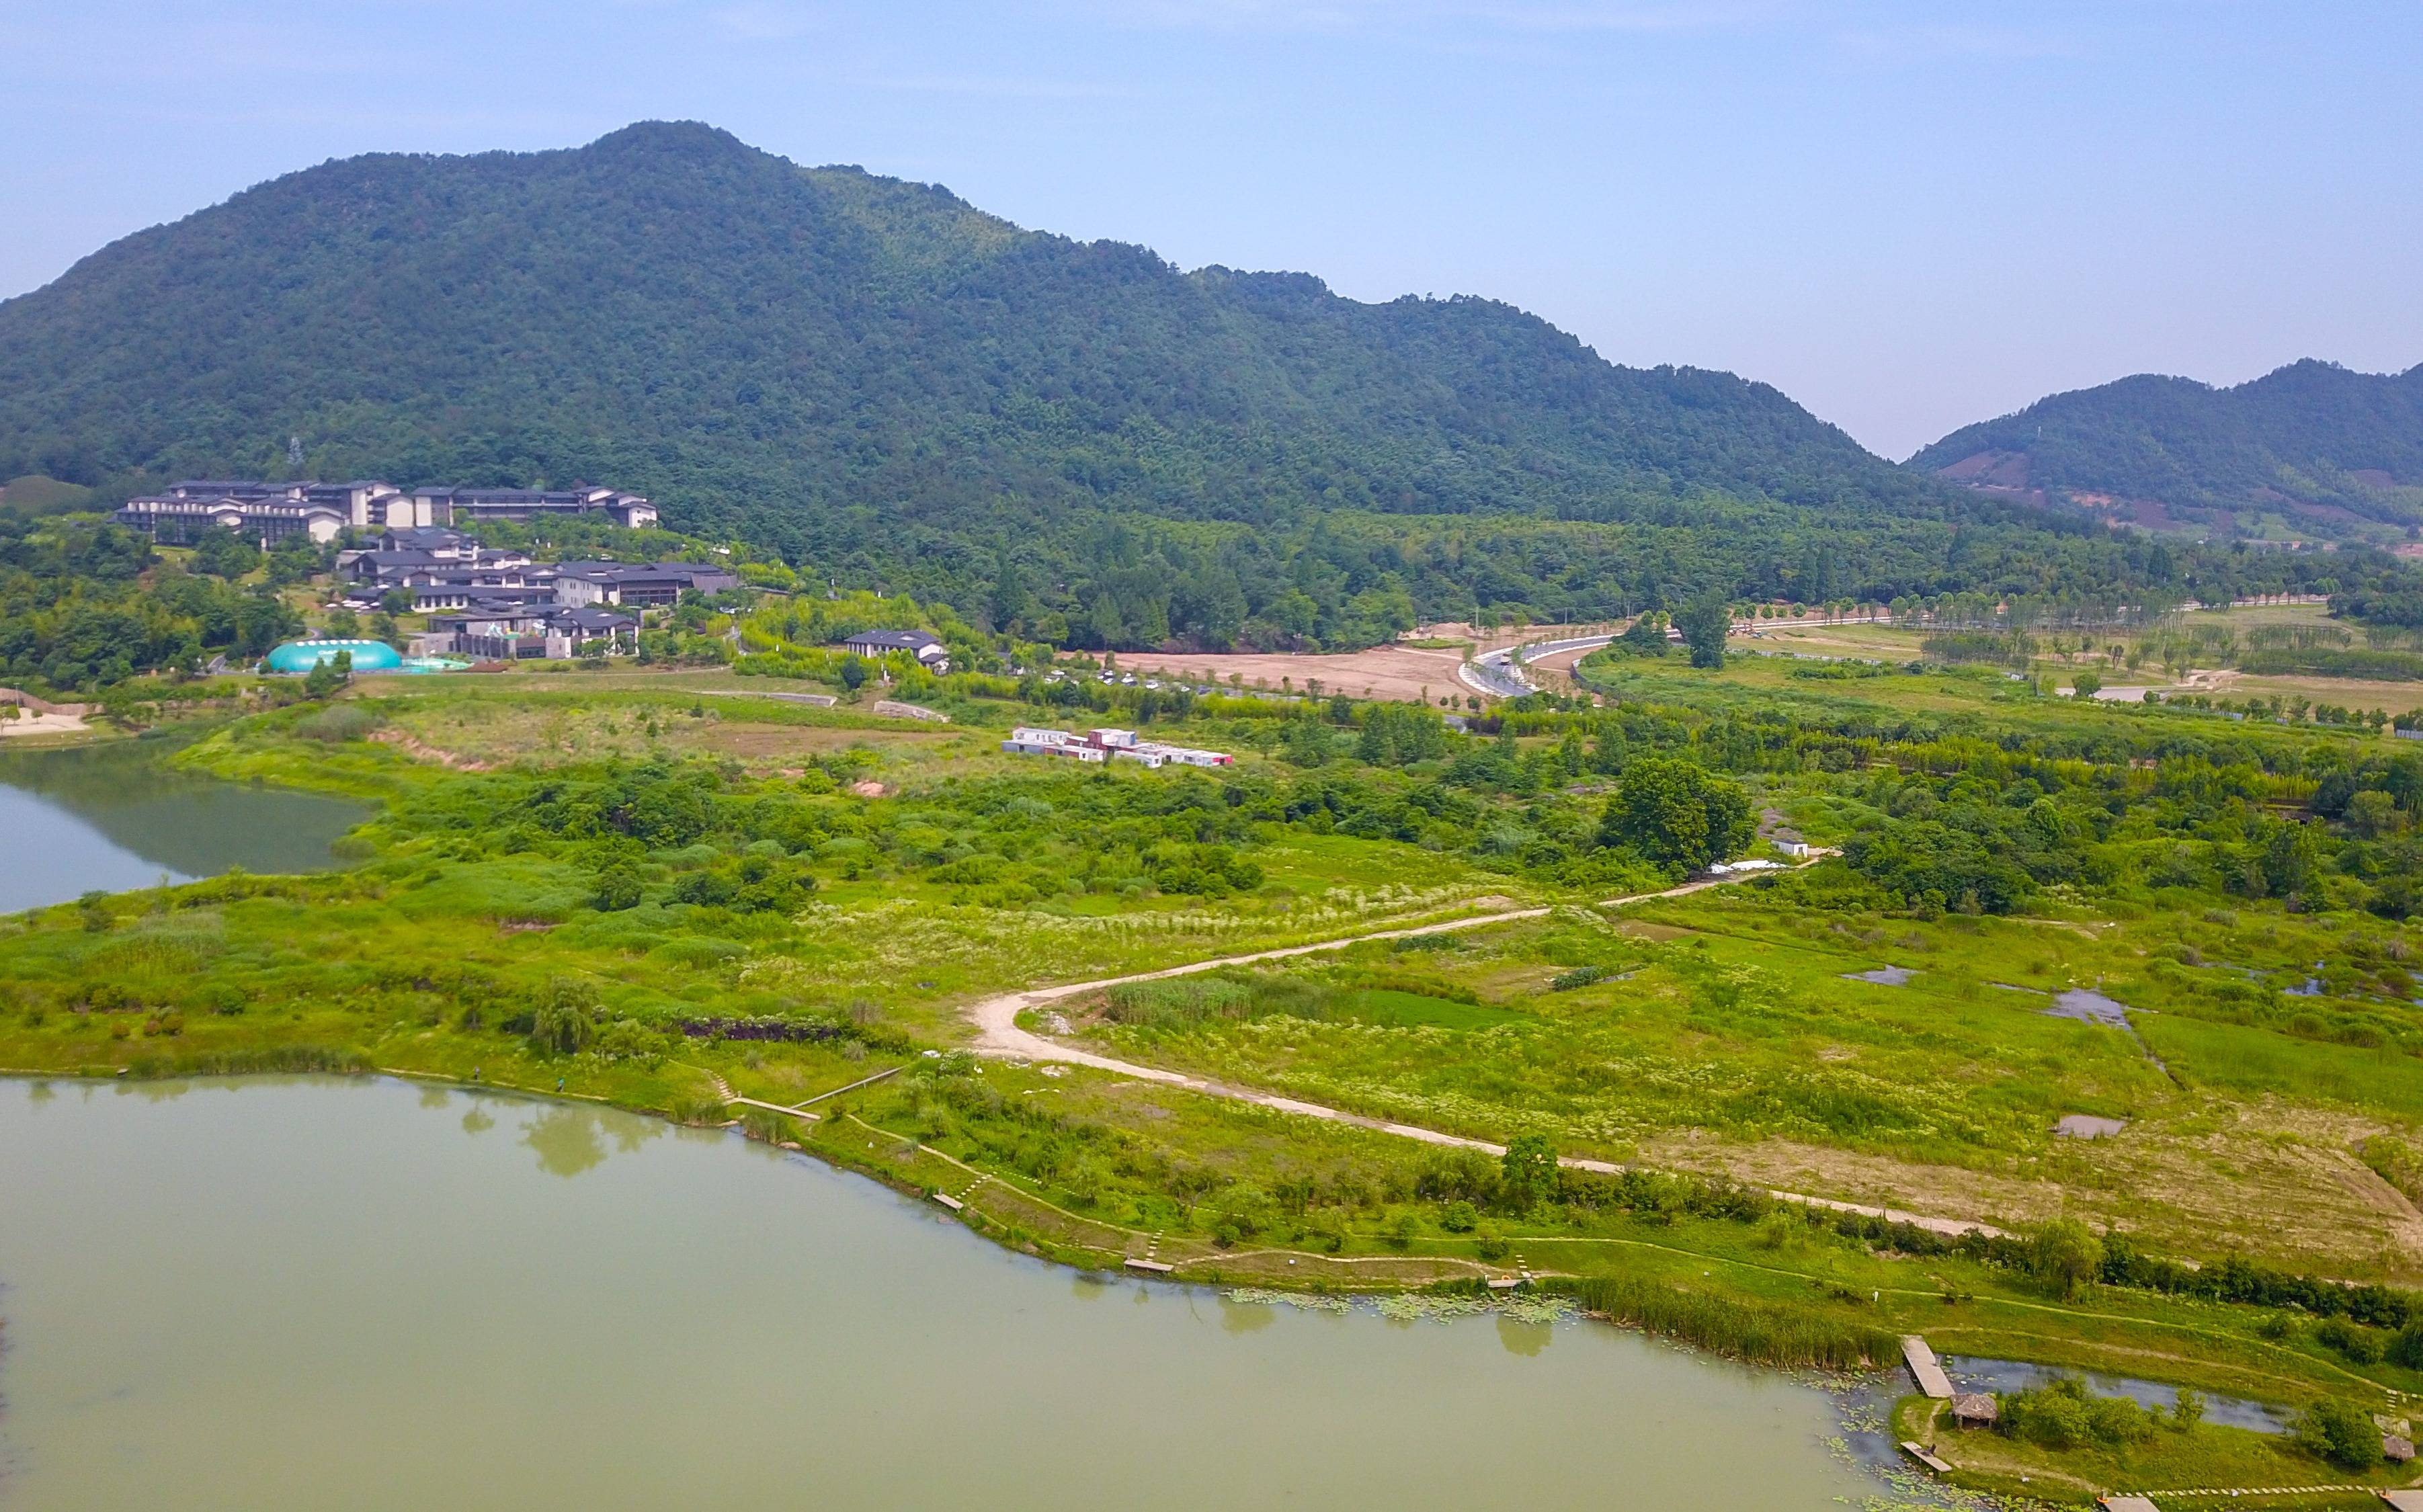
[1908, 216]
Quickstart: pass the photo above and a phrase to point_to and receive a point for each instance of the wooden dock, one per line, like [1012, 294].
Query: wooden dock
[1151, 1267]
[1918, 1452]
[1923, 1368]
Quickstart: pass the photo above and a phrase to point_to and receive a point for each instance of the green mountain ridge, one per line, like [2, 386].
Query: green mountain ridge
[2313, 447]
[683, 314]
[895, 390]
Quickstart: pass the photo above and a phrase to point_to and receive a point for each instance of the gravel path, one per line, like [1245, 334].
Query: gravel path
[998, 1034]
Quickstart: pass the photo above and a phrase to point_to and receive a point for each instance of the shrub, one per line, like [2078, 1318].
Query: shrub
[2339, 1432]
[2061, 1415]
[2054, 1416]
[2406, 1346]
[2360, 1345]
[1528, 1172]
[618, 887]
[2118, 1420]
[2064, 1254]
[565, 1020]
[338, 723]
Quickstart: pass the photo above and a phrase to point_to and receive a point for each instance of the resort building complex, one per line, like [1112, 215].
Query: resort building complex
[273, 511]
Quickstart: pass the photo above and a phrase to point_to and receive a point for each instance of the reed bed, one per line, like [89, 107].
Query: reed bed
[1764, 1333]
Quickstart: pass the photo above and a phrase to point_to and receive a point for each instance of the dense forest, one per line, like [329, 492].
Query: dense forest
[763, 344]
[2348, 445]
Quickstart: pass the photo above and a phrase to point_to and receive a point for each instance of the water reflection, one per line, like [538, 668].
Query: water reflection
[570, 1141]
[1246, 1318]
[1525, 1339]
[477, 1121]
[275, 1297]
[114, 817]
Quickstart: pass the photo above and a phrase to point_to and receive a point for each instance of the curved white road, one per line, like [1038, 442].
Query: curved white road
[998, 1034]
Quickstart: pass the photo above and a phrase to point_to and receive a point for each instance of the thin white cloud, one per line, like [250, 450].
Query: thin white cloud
[1929, 43]
[1881, 30]
[983, 86]
[767, 22]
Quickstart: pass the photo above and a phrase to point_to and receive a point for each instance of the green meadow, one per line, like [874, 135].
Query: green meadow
[666, 893]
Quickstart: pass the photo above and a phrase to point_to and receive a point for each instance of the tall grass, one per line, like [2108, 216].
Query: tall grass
[283, 1059]
[1764, 1333]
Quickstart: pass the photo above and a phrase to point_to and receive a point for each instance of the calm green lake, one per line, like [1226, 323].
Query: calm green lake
[323, 1293]
[111, 817]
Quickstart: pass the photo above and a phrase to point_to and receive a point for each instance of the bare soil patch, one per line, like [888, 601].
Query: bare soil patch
[1400, 673]
[735, 738]
[2260, 1179]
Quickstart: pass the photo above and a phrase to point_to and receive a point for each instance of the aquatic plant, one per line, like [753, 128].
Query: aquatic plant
[1767, 1332]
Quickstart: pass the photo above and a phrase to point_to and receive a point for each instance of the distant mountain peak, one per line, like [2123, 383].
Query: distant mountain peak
[2312, 449]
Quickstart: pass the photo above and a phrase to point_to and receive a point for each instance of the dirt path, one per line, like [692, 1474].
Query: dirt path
[998, 1034]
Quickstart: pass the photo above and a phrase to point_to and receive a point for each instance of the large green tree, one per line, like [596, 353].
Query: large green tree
[1704, 623]
[1676, 814]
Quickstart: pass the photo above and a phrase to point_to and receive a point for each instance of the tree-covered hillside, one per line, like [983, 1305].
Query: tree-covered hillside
[754, 341]
[899, 391]
[2330, 450]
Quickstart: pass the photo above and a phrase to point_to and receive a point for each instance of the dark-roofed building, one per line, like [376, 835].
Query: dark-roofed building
[182, 519]
[929, 652]
[468, 506]
[502, 629]
[437, 541]
[646, 583]
[366, 504]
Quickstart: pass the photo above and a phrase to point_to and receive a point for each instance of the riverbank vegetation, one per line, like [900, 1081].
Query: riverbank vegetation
[2062, 1444]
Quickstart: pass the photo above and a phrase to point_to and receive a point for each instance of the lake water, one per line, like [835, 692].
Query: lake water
[113, 817]
[318, 1293]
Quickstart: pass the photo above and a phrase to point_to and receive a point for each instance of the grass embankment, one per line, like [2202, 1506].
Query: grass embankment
[2172, 1458]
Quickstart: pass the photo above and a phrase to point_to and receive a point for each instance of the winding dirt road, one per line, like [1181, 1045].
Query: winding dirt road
[998, 1035]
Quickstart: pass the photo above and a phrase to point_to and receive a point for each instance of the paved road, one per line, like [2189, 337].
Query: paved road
[998, 1034]
[1500, 673]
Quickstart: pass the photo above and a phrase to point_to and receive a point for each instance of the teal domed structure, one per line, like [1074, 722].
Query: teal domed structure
[302, 655]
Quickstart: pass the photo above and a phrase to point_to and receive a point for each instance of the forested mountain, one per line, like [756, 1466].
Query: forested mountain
[898, 390]
[2320, 449]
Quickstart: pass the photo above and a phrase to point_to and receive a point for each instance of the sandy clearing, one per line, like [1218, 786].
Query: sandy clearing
[44, 724]
[1403, 673]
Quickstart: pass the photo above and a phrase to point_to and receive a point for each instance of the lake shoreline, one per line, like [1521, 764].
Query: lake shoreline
[730, 1217]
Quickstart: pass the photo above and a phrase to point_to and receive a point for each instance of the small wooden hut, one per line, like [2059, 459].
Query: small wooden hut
[1973, 1409]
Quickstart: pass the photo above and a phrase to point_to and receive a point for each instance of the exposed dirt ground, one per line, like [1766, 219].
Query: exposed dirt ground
[1398, 672]
[2260, 1179]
